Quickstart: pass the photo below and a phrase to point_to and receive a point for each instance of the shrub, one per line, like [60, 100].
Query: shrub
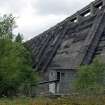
[91, 78]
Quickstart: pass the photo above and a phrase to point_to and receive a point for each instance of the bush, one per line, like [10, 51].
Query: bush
[91, 78]
[15, 60]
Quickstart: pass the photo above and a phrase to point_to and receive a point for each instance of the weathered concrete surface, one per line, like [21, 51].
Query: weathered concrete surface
[74, 41]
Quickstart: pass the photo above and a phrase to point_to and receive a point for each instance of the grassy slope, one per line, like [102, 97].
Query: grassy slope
[60, 101]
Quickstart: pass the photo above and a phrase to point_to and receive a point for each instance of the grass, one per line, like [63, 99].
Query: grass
[15, 101]
[83, 100]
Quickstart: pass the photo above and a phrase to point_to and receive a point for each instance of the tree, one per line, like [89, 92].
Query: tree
[91, 78]
[15, 60]
[19, 38]
[7, 24]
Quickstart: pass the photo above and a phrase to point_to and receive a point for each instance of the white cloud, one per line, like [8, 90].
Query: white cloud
[46, 7]
[35, 16]
[31, 26]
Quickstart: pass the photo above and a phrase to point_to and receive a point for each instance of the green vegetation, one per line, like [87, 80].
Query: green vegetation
[17, 78]
[16, 73]
[19, 38]
[91, 78]
[100, 100]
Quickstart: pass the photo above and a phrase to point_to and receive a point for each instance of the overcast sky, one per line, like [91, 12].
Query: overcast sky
[35, 16]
